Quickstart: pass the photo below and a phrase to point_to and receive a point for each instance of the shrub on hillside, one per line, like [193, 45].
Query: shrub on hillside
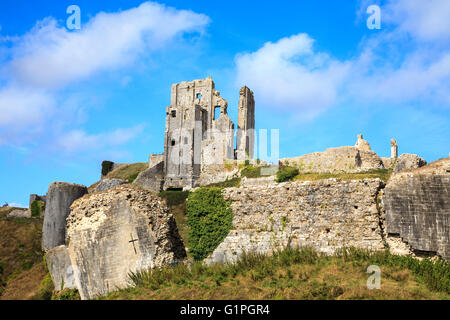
[286, 173]
[107, 167]
[36, 208]
[210, 220]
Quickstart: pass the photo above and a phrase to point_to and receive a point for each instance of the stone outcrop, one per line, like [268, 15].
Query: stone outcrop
[61, 269]
[113, 233]
[394, 149]
[326, 215]
[60, 197]
[408, 161]
[336, 160]
[152, 179]
[19, 213]
[107, 184]
[417, 205]
[362, 144]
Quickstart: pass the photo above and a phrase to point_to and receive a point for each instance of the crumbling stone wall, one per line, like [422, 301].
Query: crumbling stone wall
[336, 160]
[417, 205]
[197, 136]
[113, 233]
[326, 215]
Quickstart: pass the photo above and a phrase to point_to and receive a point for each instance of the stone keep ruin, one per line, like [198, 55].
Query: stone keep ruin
[94, 237]
[199, 133]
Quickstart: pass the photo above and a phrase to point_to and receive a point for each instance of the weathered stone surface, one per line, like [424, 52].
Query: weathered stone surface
[326, 215]
[417, 205]
[152, 179]
[336, 160]
[115, 232]
[362, 144]
[197, 138]
[394, 149]
[246, 182]
[107, 184]
[61, 268]
[60, 197]
[19, 213]
[245, 135]
[409, 161]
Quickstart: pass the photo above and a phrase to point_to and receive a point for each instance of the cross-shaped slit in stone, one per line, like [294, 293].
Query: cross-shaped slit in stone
[133, 241]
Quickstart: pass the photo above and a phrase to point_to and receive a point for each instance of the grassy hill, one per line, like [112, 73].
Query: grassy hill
[295, 274]
[22, 268]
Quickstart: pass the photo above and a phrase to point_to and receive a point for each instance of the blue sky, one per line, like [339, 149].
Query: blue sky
[72, 98]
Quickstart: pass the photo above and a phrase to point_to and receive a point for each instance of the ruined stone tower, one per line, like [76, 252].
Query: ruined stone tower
[199, 132]
[246, 125]
[394, 148]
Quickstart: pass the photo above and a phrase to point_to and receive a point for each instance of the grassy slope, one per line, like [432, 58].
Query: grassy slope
[289, 275]
[128, 172]
[21, 258]
[319, 277]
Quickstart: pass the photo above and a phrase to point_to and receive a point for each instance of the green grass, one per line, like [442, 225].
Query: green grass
[36, 208]
[232, 183]
[174, 198]
[252, 171]
[286, 173]
[128, 172]
[383, 174]
[294, 274]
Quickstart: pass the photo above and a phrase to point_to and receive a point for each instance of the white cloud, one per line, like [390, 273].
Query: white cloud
[21, 106]
[17, 205]
[50, 56]
[79, 140]
[289, 74]
[424, 20]
[393, 66]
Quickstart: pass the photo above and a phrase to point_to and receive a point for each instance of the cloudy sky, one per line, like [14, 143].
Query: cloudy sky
[72, 98]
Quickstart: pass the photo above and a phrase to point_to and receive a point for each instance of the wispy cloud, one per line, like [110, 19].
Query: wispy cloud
[79, 140]
[48, 59]
[289, 74]
[50, 56]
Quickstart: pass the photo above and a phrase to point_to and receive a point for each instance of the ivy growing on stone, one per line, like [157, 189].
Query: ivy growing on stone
[210, 220]
[36, 208]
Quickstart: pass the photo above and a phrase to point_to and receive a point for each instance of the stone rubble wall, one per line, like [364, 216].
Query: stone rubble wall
[326, 215]
[336, 160]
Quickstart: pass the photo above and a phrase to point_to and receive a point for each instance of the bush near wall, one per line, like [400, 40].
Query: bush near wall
[36, 208]
[286, 173]
[210, 220]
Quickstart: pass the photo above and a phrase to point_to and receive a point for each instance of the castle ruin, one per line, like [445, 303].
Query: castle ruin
[199, 132]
